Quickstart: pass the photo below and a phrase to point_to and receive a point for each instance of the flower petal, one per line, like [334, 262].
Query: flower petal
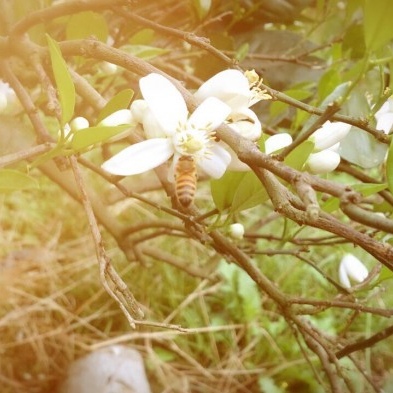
[343, 276]
[329, 134]
[247, 124]
[172, 167]
[215, 165]
[277, 142]
[140, 157]
[138, 110]
[209, 115]
[323, 162]
[122, 116]
[164, 100]
[354, 268]
[230, 86]
[385, 122]
[151, 126]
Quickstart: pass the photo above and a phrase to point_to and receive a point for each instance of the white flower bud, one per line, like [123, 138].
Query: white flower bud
[323, 162]
[79, 123]
[138, 110]
[3, 102]
[277, 142]
[329, 134]
[351, 268]
[109, 68]
[122, 116]
[236, 231]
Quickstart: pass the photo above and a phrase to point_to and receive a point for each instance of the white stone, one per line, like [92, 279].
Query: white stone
[113, 369]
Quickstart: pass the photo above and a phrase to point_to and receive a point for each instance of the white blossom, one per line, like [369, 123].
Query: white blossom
[236, 231]
[323, 162]
[384, 117]
[351, 268]
[330, 134]
[120, 117]
[277, 142]
[239, 91]
[108, 68]
[272, 144]
[178, 133]
[8, 99]
[79, 123]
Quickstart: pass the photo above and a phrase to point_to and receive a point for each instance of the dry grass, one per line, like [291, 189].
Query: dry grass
[53, 310]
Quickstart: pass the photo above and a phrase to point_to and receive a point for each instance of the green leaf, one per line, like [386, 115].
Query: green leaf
[86, 24]
[164, 355]
[13, 180]
[143, 51]
[120, 101]
[239, 282]
[202, 7]
[367, 189]
[90, 136]
[65, 86]
[298, 156]
[268, 385]
[142, 37]
[378, 29]
[328, 82]
[224, 189]
[278, 107]
[250, 193]
[331, 205]
[386, 274]
[389, 167]
[242, 52]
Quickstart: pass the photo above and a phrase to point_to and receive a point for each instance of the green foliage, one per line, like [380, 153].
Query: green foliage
[249, 193]
[13, 180]
[245, 301]
[144, 52]
[120, 101]
[87, 24]
[242, 52]
[389, 168]
[299, 155]
[377, 23]
[277, 107]
[92, 135]
[202, 7]
[223, 190]
[268, 385]
[65, 86]
[142, 37]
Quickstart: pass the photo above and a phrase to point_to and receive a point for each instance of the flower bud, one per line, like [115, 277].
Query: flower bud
[277, 142]
[122, 116]
[329, 134]
[323, 162]
[351, 268]
[138, 110]
[236, 231]
[109, 68]
[79, 123]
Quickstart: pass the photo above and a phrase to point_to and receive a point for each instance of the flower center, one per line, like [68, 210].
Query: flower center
[257, 94]
[192, 142]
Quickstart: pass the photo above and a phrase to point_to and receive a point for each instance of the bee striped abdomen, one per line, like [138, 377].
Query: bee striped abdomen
[185, 180]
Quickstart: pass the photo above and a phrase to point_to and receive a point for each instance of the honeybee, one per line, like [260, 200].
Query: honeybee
[185, 180]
